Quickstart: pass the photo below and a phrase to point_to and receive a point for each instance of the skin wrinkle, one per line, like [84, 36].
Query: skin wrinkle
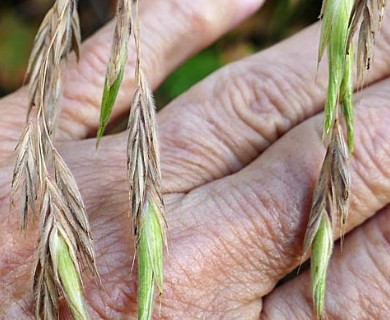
[225, 249]
[196, 148]
[244, 238]
[374, 251]
[274, 229]
[374, 145]
[218, 123]
[260, 230]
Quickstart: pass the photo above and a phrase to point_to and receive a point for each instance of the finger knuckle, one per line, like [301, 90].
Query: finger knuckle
[268, 98]
[372, 155]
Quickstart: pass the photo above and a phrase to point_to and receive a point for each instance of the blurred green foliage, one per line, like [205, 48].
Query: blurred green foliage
[191, 72]
[15, 43]
[19, 20]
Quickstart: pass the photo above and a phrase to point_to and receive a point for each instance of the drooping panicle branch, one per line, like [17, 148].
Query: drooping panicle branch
[65, 241]
[146, 200]
[340, 21]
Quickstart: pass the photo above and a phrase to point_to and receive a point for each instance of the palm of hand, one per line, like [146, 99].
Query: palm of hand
[240, 155]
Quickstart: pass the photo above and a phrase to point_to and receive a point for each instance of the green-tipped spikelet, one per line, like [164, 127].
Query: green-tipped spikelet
[334, 36]
[320, 256]
[68, 274]
[150, 261]
[117, 63]
[330, 203]
[145, 198]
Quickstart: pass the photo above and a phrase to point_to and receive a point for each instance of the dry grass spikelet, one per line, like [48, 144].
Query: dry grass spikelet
[367, 16]
[24, 175]
[57, 35]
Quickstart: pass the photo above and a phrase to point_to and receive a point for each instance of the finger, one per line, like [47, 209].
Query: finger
[171, 32]
[358, 285]
[249, 226]
[230, 118]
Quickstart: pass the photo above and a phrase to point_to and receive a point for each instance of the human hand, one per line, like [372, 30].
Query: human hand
[240, 154]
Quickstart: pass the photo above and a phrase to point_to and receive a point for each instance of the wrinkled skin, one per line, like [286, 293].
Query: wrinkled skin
[240, 155]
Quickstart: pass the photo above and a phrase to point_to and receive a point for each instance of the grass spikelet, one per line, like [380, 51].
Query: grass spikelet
[65, 242]
[320, 257]
[68, 274]
[24, 175]
[334, 34]
[367, 16]
[150, 260]
[330, 203]
[145, 199]
[116, 65]
[52, 43]
[62, 243]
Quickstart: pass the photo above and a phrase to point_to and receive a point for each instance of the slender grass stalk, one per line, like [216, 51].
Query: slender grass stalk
[64, 233]
[144, 174]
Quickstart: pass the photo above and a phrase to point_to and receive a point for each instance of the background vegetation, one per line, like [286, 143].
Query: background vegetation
[19, 20]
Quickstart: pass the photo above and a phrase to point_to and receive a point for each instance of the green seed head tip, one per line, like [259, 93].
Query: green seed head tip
[110, 94]
[321, 252]
[334, 36]
[68, 276]
[150, 261]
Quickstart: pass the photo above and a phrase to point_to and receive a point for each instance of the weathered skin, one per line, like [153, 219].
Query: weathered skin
[240, 154]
